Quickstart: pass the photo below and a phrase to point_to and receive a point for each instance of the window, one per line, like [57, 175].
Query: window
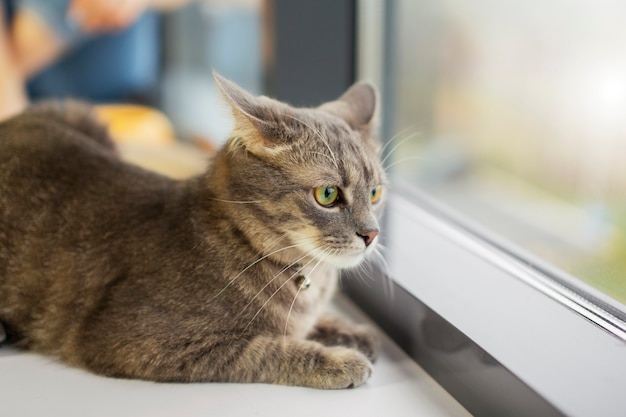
[506, 239]
[516, 111]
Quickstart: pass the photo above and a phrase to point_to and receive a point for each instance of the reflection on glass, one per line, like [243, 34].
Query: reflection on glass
[517, 114]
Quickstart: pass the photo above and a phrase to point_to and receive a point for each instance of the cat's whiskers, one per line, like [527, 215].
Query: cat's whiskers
[381, 152]
[237, 202]
[232, 281]
[272, 243]
[296, 297]
[396, 146]
[321, 154]
[386, 270]
[365, 272]
[402, 160]
[273, 294]
[275, 277]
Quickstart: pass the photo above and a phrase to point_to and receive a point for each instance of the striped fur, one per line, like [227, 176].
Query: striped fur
[131, 274]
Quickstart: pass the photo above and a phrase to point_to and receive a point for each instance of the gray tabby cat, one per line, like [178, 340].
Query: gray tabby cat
[131, 274]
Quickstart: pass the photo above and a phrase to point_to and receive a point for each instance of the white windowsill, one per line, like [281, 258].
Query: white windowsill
[572, 363]
[33, 385]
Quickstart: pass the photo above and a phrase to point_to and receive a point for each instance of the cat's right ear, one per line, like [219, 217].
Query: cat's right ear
[357, 106]
[254, 128]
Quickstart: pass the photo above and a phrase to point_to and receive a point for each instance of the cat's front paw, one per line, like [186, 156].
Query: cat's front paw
[331, 331]
[341, 368]
[367, 341]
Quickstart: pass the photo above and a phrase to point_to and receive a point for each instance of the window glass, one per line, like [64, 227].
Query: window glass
[514, 113]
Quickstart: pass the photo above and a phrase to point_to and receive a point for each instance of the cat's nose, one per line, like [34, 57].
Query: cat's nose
[368, 237]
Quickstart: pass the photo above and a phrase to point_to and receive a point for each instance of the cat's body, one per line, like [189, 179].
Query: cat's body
[131, 274]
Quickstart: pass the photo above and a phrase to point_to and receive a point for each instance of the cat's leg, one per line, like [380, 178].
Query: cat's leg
[3, 335]
[332, 331]
[288, 361]
[262, 359]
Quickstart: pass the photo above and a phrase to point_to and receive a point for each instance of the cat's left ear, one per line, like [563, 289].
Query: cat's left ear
[256, 118]
[357, 106]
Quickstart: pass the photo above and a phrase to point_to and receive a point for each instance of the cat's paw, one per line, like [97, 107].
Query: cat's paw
[367, 341]
[341, 368]
[331, 331]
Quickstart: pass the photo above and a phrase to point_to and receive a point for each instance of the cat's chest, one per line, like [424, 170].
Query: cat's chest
[311, 300]
[315, 288]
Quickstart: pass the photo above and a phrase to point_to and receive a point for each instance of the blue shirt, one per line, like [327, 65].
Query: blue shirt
[103, 68]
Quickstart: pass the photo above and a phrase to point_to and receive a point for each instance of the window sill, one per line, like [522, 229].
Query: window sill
[35, 385]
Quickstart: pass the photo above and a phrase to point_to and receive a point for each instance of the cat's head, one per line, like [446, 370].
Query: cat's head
[309, 179]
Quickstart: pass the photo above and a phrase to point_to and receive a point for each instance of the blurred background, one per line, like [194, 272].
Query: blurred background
[301, 52]
[516, 113]
[225, 36]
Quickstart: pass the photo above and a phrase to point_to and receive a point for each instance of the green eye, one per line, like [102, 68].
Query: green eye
[326, 196]
[375, 194]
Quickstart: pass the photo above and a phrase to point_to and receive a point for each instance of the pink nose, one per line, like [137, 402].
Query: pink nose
[368, 237]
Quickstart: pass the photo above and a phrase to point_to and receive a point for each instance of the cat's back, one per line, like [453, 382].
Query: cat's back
[53, 137]
[49, 148]
[54, 120]
[61, 149]
[59, 170]
[72, 214]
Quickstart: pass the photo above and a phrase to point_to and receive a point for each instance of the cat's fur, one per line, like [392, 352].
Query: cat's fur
[131, 274]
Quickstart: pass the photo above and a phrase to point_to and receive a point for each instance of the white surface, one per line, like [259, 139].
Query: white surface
[33, 385]
[572, 363]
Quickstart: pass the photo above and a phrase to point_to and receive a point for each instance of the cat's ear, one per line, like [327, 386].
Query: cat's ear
[255, 122]
[357, 106]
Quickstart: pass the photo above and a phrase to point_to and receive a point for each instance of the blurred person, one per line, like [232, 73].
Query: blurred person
[99, 50]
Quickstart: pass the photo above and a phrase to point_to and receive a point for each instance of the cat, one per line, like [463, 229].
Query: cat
[222, 277]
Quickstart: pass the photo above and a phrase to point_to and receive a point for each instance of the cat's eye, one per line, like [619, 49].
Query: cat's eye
[326, 196]
[375, 194]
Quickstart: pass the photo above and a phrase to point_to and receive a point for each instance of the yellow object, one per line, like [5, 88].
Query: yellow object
[146, 137]
[129, 123]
